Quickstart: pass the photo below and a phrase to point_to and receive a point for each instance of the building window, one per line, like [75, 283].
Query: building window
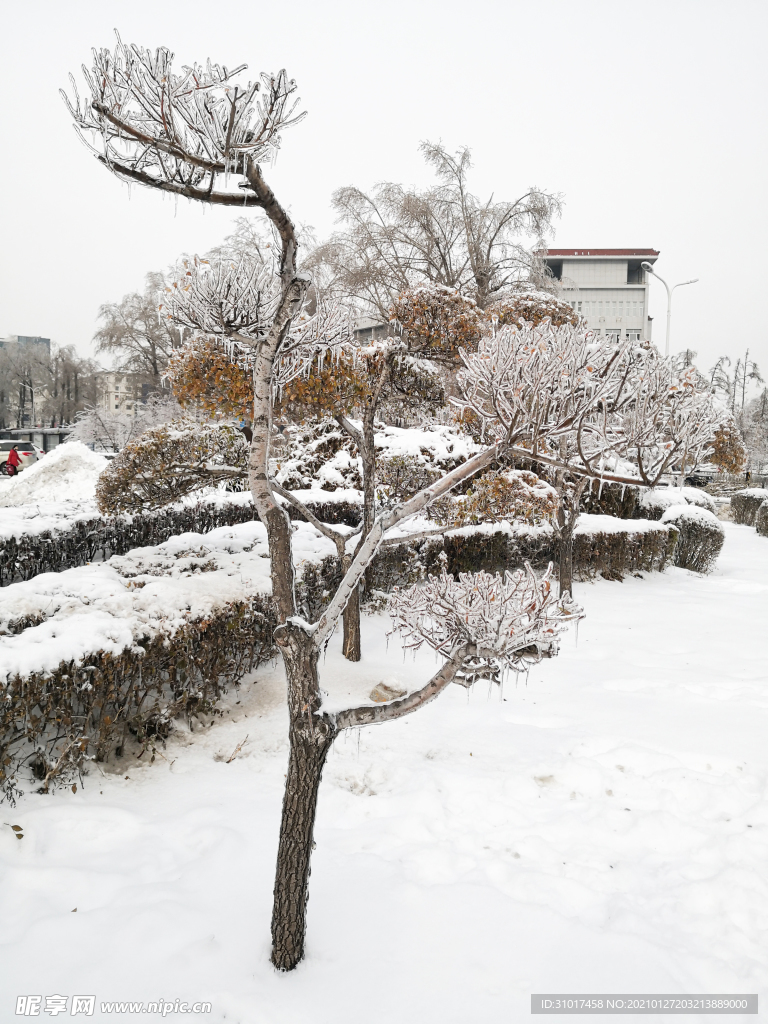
[614, 335]
[633, 335]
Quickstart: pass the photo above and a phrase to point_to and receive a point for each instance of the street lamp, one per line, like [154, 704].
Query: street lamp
[649, 268]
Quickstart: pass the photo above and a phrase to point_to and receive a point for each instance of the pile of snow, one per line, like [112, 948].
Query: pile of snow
[68, 473]
[436, 446]
[152, 591]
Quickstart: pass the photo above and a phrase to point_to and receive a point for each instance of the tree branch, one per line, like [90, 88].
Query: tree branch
[356, 717]
[327, 621]
[339, 539]
[219, 198]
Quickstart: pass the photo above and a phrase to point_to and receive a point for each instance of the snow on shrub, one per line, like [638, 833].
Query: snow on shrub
[45, 539]
[744, 505]
[68, 473]
[761, 519]
[654, 502]
[98, 661]
[701, 536]
[695, 496]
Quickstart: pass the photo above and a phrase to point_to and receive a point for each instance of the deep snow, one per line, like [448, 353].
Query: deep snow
[68, 473]
[601, 828]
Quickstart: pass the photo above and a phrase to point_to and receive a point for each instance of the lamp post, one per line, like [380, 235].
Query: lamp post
[649, 268]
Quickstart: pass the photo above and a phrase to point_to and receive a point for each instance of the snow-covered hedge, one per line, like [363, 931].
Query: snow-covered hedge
[653, 503]
[36, 539]
[614, 547]
[761, 519]
[744, 505]
[602, 545]
[701, 536]
[100, 659]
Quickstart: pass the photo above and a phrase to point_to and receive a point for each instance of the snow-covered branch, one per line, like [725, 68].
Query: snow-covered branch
[357, 717]
[180, 132]
[511, 620]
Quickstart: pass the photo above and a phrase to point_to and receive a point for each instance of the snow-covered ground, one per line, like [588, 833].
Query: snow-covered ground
[601, 827]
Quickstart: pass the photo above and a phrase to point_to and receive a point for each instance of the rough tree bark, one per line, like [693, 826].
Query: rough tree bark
[311, 734]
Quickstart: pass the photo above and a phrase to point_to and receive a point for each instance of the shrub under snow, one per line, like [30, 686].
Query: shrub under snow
[745, 504]
[761, 519]
[701, 536]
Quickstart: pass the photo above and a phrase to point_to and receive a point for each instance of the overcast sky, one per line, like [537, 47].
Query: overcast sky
[649, 117]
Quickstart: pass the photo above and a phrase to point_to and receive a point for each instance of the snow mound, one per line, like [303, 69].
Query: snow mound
[68, 473]
[694, 514]
[695, 496]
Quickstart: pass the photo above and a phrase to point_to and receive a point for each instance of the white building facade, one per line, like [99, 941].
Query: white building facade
[607, 287]
[119, 392]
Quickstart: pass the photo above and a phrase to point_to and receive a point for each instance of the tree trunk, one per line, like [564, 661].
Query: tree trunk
[311, 736]
[567, 516]
[565, 523]
[351, 618]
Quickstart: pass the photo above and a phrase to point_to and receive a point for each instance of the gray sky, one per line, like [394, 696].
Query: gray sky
[650, 117]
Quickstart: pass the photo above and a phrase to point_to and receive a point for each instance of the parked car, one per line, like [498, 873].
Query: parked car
[26, 452]
[39, 452]
[701, 475]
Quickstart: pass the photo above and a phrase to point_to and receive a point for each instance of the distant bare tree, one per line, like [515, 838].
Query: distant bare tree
[131, 330]
[394, 237]
[42, 387]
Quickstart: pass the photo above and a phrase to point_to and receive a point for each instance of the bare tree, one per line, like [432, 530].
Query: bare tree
[42, 387]
[132, 331]
[394, 237]
[110, 431]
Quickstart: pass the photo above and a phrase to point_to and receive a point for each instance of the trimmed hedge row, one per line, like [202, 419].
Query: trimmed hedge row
[761, 519]
[53, 723]
[745, 505]
[27, 556]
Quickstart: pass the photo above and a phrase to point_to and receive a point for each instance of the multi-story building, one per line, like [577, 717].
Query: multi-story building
[26, 341]
[608, 287]
[119, 392]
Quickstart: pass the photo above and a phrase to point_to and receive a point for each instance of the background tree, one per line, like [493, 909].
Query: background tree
[132, 332]
[395, 238]
[38, 387]
[110, 431]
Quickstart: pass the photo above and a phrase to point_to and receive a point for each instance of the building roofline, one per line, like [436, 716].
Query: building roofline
[559, 253]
